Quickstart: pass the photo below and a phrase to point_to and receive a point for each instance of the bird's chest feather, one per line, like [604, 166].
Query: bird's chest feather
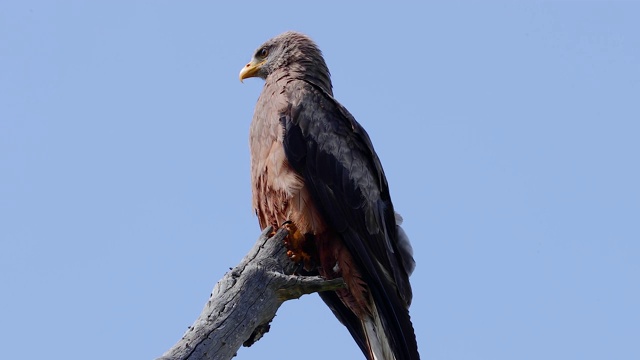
[274, 182]
[279, 192]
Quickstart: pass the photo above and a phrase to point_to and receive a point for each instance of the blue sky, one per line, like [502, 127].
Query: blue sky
[508, 132]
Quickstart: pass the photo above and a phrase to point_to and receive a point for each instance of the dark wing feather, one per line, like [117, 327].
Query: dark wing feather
[334, 154]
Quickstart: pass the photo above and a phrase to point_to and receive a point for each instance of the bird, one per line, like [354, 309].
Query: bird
[315, 172]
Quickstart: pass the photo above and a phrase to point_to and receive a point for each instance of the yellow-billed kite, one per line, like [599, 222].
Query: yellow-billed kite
[314, 170]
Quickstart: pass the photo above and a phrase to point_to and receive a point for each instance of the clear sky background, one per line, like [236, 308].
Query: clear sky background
[509, 133]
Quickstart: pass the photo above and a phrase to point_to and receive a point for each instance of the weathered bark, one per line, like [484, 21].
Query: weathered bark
[244, 302]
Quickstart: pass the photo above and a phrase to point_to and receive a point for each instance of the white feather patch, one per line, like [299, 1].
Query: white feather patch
[374, 332]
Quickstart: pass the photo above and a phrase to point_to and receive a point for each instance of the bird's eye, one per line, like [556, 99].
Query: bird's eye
[263, 52]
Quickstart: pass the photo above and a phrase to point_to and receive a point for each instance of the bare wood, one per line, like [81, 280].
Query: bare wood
[244, 302]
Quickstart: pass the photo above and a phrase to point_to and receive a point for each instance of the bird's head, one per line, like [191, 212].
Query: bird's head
[292, 51]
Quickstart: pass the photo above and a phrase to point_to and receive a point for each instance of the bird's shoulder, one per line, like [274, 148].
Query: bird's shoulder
[322, 138]
[322, 118]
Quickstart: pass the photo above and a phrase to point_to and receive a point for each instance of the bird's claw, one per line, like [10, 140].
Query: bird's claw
[294, 242]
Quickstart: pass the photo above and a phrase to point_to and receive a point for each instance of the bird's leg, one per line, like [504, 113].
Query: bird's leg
[274, 230]
[292, 240]
[296, 246]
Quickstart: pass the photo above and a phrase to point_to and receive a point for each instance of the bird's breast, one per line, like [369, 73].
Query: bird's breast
[279, 192]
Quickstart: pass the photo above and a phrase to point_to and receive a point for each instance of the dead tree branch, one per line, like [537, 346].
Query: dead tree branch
[244, 302]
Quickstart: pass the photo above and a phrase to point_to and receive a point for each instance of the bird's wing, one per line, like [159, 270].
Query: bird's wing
[336, 159]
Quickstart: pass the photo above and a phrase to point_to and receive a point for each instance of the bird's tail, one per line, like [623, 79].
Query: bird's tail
[377, 341]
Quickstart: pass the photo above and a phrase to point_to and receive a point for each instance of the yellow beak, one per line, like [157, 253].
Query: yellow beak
[251, 69]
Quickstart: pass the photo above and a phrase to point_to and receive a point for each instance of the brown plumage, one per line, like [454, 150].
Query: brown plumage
[314, 169]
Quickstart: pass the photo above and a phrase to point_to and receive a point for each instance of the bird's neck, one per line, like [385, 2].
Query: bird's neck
[314, 73]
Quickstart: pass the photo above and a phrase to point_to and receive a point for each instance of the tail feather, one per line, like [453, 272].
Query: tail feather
[377, 341]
